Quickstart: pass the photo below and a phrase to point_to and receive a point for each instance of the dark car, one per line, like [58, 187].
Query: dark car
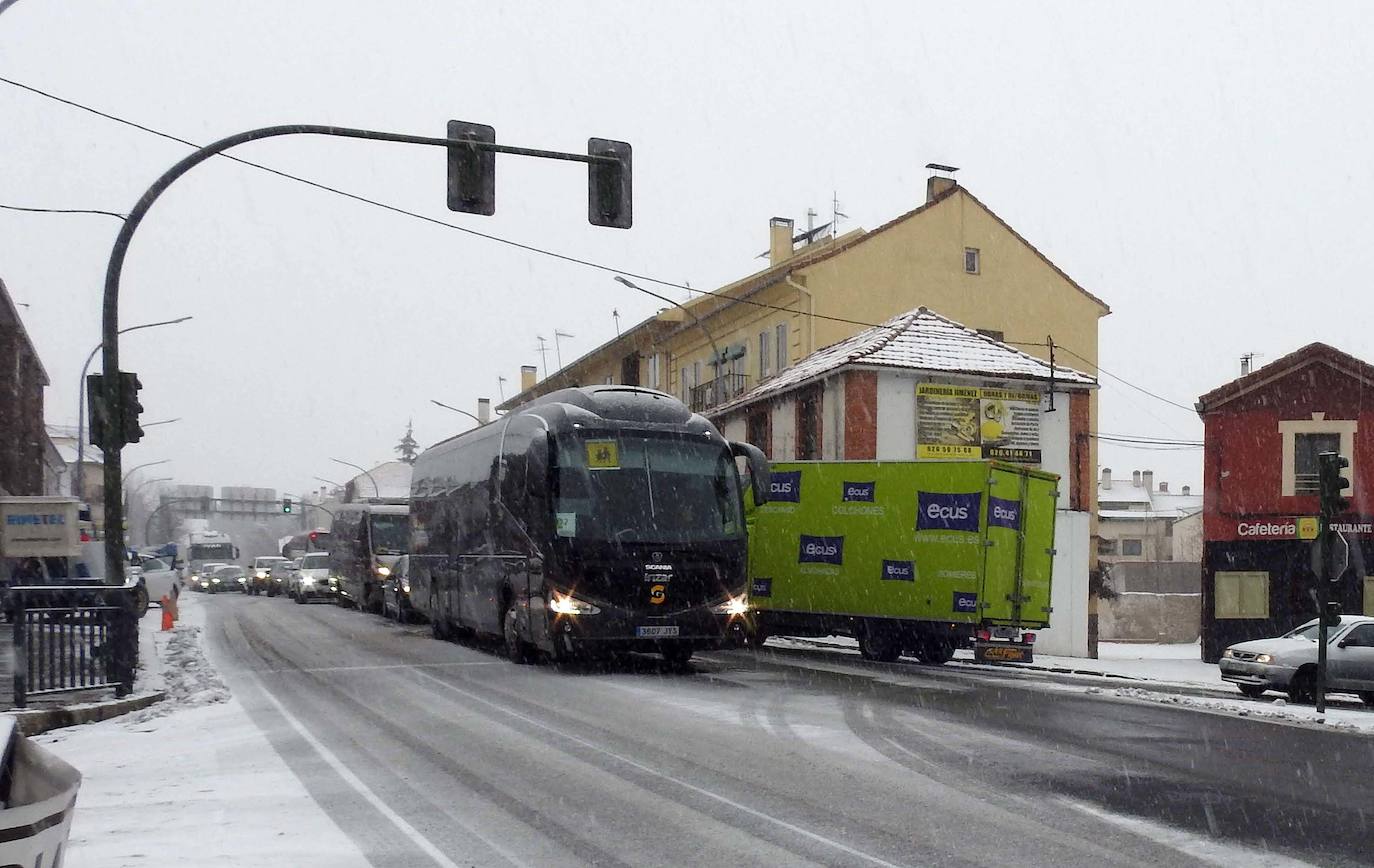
[396, 593]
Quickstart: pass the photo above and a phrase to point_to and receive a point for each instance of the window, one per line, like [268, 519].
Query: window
[1306, 467]
[758, 430]
[972, 262]
[765, 357]
[809, 426]
[655, 366]
[1241, 595]
[1131, 547]
[1106, 546]
[1361, 636]
[780, 333]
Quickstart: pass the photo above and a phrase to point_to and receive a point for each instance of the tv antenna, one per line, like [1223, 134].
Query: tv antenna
[557, 348]
[501, 387]
[835, 213]
[543, 354]
[615, 315]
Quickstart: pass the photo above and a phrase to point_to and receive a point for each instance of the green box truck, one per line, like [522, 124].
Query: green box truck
[920, 557]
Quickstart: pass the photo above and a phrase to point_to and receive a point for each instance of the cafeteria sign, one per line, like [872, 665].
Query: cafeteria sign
[968, 422]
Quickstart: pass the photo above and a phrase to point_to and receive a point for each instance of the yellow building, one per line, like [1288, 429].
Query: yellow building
[952, 255]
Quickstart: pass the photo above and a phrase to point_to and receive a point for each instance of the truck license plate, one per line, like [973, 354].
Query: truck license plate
[1002, 652]
[656, 632]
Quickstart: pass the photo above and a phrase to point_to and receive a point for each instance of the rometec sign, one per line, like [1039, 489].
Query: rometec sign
[43, 527]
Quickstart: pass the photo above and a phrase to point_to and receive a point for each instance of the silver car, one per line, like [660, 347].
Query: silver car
[1289, 662]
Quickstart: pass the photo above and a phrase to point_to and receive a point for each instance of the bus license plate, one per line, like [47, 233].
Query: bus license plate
[656, 632]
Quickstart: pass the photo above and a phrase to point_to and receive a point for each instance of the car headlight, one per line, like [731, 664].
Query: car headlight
[734, 607]
[243, 580]
[195, 577]
[405, 586]
[333, 580]
[306, 581]
[563, 604]
[216, 581]
[1265, 658]
[1228, 653]
[260, 574]
[384, 571]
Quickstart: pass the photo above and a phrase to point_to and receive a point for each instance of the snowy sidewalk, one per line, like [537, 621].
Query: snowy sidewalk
[191, 780]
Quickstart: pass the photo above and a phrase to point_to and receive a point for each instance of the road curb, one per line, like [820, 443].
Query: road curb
[39, 720]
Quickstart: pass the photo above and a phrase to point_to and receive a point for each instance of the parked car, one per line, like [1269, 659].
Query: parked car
[312, 580]
[280, 576]
[158, 577]
[200, 578]
[396, 592]
[260, 574]
[229, 577]
[1288, 663]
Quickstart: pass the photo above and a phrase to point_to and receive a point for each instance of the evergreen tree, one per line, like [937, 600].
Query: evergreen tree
[408, 445]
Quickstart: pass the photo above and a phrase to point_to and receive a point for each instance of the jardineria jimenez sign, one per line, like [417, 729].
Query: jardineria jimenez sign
[968, 422]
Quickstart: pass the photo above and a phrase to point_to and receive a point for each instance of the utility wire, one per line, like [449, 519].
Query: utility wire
[529, 248]
[64, 211]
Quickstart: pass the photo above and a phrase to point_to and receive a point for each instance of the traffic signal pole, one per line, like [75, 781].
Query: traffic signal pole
[600, 160]
[1323, 601]
[1329, 573]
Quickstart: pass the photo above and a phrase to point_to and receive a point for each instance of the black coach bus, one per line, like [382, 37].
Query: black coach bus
[591, 520]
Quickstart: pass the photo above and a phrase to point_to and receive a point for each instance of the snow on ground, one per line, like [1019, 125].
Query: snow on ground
[1350, 717]
[191, 780]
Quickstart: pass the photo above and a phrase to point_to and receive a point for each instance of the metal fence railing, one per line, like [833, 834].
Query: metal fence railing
[72, 638]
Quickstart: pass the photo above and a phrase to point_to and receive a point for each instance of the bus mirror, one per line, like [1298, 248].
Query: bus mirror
[759, 473]
[236, 552]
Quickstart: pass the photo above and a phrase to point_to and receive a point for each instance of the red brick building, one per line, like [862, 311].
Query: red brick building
[1260, 497]
[24, 444]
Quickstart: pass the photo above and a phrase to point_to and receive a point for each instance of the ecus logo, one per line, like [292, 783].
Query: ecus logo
[1003, 513]
[946, 513]
[821, 549]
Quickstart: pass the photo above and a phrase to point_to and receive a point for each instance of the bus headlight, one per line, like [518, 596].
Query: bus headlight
[384, 571]
[734, 607]
[563, 604]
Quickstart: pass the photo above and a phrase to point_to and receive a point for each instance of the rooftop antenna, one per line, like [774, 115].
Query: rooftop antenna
[1247, 362]
[501, 387]
[558, 350]
[543, 354]
[615, 315]
[835, 213]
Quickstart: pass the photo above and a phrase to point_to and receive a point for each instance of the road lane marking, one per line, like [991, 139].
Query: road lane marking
[362, 789]
[725, 800]
[1208, 850]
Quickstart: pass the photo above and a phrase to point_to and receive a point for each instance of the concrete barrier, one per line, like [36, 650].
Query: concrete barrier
[1145, 617]
[38, 794]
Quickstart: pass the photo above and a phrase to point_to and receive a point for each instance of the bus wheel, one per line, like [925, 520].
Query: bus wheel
[438, 628]
[517, 649]
[876, 643]
[755, 638]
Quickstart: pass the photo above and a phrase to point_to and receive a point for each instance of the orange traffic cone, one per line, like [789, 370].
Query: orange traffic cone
[167, 617]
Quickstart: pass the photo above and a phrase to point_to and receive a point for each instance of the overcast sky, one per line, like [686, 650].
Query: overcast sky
[1204, 168]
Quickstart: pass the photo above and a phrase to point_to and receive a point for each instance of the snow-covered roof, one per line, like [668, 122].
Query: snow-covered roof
[392, 478]
[63, 438]
[918, 340]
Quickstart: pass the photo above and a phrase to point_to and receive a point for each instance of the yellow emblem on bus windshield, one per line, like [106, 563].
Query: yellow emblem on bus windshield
[603, 455]
[658, 594]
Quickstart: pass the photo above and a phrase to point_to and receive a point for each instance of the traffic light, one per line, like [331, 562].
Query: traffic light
[129, 408]
[609, 199]
[1331, 613]
[471, 171]
[1332, 483]
[286, 505]
[98, 424]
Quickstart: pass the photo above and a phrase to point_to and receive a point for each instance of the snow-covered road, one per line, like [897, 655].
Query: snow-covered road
[351, 740]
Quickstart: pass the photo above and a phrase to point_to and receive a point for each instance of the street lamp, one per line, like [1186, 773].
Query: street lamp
[125, 480]
[456, 410]
[376, 492]
[717, 359]
[139, 487]
[80, 476]
[330, 481]
[159, 422]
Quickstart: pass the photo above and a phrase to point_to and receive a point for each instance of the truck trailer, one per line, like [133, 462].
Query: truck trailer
[916, 557]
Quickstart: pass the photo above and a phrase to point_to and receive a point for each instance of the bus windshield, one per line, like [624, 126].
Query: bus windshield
[390, 533]
[629, 488]
[212, 552]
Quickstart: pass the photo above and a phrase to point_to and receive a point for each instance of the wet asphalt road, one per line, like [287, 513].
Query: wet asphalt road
[444, 753]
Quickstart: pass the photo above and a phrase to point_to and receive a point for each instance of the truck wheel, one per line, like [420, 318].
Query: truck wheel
[936, 652]
[876, 643]
[755, 638]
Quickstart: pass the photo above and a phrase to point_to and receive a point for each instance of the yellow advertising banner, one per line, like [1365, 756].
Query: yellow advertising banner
[970, 422]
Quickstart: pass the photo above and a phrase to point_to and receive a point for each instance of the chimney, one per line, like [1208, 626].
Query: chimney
[528, 376]
[1164, 488]
[1135, 478]
[1147, 480]
[937, 187]
[1187, 490]
[1106, 479]
[779, 240]
[484, 410]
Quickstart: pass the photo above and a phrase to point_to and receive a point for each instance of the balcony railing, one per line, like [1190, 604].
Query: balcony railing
[1307, 483]
[718, 391]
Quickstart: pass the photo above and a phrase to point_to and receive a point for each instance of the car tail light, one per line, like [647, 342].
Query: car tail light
[984, 635]
[1028, 638]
